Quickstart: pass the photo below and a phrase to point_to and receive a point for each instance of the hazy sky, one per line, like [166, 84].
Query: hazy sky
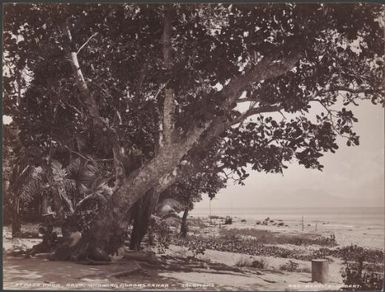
[353, 176]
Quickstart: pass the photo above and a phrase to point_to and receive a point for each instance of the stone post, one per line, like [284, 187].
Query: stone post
[319, 270]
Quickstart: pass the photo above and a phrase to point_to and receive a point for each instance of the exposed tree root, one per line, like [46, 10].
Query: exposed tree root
[140, 256]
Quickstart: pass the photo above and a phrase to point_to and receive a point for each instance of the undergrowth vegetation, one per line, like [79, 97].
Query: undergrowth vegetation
[292, 266]
[363, 268]
[269, 237]
[252, 263]
[232, 241]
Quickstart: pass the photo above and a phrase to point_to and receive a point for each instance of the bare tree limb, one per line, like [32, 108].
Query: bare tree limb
[83, 45]
[89, 100]
[166, 40]
[168, 103]
[281, 113]
[118, 153]
[93, 109]
[160, 90]
[168, 115]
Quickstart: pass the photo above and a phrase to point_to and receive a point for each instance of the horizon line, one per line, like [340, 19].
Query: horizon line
[291, 207]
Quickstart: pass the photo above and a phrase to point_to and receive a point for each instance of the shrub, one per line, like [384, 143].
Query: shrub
[243, 262]
[290, 266]
[355, 253]
[215, 217]
[359, 276]
[196, 249]
[159, 235]
[363, 269]
[228, 220]
[259, 264]
[249, 262]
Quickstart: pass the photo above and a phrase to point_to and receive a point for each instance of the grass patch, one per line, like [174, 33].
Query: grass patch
[270, 237]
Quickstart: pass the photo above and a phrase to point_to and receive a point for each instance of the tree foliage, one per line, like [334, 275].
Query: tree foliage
[341, 55]
[213, 80]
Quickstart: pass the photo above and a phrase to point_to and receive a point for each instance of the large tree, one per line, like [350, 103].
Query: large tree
[156, 88]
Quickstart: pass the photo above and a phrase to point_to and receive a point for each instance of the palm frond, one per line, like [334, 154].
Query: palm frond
[32, 184]
[59, 173]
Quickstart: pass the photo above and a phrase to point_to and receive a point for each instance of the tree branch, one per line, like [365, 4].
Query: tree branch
[93, 109]
[267, 68]
[253, 111]
[168, 103]
[118, 153]
[83, 45]
[166, 40]
[248, 99]
[168, 115]
[89, 100]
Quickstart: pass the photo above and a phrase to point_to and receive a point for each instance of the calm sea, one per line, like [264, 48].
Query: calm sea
[369, 216]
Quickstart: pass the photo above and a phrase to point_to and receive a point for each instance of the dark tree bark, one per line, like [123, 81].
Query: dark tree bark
[183, 226]
[19, 175]
[142, 211]
[16, 219]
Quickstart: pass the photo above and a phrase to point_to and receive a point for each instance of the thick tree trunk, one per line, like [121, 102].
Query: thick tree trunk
[183, 226]
[17, 180]
[155, 173]
[97, 235]
[103, 233]
[16, 219]
[142, 211]
[44, 205]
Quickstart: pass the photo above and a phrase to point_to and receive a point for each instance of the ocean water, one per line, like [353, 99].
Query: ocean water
[357, 225]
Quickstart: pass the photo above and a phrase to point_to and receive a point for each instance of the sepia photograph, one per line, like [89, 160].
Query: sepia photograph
[193, 146]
